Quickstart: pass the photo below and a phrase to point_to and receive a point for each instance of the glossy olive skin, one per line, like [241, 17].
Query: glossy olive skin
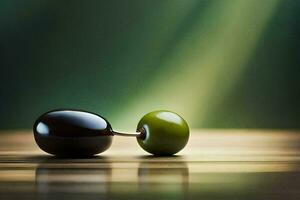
[164, 133]
[72, 133]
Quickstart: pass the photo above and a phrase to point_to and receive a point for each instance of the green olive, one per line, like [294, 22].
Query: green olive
[163, 133]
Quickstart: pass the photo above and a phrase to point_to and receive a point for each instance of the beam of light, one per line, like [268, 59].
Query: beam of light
[206, 63]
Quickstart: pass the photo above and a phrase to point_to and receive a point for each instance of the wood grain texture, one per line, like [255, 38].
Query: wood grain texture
[216, 164]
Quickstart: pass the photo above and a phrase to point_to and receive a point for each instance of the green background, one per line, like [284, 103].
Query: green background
[219, 64]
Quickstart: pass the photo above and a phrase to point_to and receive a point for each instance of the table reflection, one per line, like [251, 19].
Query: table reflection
[164, 178]
[111, 180]
[73, 179]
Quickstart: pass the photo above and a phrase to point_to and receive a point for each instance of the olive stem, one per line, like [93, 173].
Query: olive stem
[136, 134]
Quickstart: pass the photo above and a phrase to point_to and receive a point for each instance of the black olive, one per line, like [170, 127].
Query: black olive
[72, 133]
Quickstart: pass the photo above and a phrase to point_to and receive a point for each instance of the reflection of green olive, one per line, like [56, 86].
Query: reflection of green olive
[163, 132]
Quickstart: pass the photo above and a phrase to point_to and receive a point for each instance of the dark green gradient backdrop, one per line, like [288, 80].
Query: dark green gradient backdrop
[220, 64]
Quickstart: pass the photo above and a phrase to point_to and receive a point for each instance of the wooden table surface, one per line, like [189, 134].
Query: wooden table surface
[216, 164]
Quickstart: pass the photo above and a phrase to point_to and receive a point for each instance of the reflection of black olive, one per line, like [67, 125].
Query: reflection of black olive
[72, 133]
[76, 178]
